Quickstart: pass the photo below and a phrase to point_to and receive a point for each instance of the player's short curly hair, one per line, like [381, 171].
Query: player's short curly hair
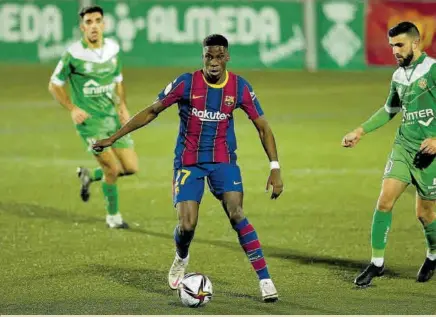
[404, 27]
[215, 40]
[90, 9]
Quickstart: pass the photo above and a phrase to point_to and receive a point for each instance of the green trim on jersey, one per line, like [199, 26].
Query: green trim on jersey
[92, 75]
[413, 91]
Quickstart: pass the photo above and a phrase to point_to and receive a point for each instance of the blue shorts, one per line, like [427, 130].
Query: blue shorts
[188, 183]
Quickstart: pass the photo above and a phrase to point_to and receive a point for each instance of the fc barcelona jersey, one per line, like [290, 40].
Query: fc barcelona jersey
[206, 133]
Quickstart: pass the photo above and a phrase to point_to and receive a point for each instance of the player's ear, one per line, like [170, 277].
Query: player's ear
[415, 44]
[227, 57]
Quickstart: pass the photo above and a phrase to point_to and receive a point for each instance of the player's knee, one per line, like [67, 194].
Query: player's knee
[131, 169]
[425, 214]
[112, 172]
[236, 214]
[385, 204]
[186, 225]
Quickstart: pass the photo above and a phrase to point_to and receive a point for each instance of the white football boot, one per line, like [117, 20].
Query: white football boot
[177, 271]
[268, 290]
[85, 179]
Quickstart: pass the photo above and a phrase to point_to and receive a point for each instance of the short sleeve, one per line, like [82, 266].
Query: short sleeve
[118, 70]
[175, 91]
[62, 70]
[249, 102]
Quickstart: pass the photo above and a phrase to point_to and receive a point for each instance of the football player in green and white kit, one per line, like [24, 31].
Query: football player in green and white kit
[413, 92]
[97, 106]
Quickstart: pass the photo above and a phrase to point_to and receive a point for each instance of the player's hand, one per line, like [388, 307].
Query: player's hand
[99, 145]
[79, 115]
[275, 181]
[124, 115]
[428, 146]
[352, 138]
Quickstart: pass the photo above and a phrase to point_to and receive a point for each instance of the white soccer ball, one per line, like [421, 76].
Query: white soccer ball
[195, 290]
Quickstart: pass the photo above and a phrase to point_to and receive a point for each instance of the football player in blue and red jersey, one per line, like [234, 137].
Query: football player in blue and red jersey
[205, 149]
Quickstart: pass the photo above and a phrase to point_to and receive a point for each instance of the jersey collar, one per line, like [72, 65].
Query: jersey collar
[418, 61]
[219, 85]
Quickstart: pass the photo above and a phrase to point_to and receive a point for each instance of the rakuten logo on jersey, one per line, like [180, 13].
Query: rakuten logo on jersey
[205, 115]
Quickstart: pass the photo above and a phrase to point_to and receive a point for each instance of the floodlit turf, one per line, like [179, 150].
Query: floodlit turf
[57, 257]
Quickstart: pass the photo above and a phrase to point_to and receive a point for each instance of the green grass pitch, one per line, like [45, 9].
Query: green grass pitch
[57, 257]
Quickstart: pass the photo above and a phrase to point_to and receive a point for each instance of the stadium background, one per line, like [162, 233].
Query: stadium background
[319, 69]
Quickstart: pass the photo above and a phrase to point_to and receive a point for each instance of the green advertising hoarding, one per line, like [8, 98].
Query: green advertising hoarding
[262, 33]
[37, 30]
[340, 34]
[169, 33]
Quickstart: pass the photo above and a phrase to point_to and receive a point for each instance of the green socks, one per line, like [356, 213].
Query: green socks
[96, 174]
[430, 236]
[381, 224]
[110, 192]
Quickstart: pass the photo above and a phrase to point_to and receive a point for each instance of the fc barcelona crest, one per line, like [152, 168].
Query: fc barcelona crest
[422, 83]
[229, 101]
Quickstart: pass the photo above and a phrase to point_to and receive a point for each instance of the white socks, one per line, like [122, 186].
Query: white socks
[378, 261]
[114, 220]
[431, 256]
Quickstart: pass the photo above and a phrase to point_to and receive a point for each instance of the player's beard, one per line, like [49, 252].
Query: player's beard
[406, 60]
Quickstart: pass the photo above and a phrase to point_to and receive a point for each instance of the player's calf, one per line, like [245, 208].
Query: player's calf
[250, 244]
[248, 239]
[183, 235]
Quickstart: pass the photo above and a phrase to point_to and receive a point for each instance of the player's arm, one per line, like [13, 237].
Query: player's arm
[57, 89]
[269, 145]
[139, 120]
[428, 146]
[267, 138]
[170, 95]
[377, 120]
[123, 112]
[120, 92]
[251, 106]
[60, 94]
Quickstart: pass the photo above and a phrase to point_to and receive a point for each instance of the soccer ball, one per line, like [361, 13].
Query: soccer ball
[195, 290]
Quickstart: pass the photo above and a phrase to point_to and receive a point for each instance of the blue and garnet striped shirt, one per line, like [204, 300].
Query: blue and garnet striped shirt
[206, 133]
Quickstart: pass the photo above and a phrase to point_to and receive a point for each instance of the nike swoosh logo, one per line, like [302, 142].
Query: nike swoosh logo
[175, 283]
[237, 183]
[196, 97]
